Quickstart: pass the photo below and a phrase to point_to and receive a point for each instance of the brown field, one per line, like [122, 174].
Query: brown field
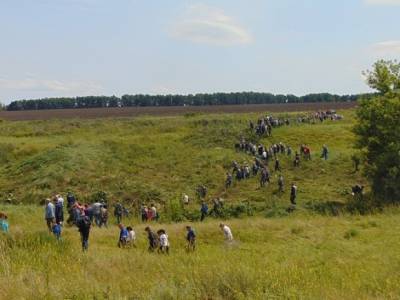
[92, 113]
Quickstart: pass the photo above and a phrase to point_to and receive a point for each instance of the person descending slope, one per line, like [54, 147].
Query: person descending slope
[280, 183]
[293, 194]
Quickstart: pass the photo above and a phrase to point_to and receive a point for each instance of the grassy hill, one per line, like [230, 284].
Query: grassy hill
[151, 159]
[301, 255]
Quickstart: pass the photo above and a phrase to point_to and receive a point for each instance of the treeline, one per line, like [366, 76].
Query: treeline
[174, 100]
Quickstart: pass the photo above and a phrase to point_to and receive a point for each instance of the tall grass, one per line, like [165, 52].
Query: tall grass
[301, 256]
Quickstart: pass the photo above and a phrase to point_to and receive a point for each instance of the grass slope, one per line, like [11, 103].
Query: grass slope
[159, 159]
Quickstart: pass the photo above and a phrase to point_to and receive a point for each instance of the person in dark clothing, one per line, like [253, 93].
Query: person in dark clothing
[324, 154]
[264, 177]
[228, 181]
[296, 161]
[153, 239]
[70, 200]
[203, 210]
[277, 165]
[280, 183]
[118, 211]
[293, 194]
[59, 212]
[191, 238]
[84, 225]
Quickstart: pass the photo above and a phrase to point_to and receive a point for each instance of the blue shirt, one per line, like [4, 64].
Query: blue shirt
[123, 234]
[4, 225]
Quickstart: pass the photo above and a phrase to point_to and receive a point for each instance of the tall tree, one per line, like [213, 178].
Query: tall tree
[378, 131]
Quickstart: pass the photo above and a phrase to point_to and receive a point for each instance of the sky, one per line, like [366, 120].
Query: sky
[53, 48]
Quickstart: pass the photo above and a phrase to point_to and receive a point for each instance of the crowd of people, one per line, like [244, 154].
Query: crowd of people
[266, 155]
[84, 216]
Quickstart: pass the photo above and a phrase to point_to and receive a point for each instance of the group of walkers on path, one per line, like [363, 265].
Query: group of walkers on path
[264, 155]
[158, 241]
[264, 125]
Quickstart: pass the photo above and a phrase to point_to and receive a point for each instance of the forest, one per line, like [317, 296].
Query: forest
[176, 100]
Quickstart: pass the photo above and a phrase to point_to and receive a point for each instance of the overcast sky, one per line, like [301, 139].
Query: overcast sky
[114, 47]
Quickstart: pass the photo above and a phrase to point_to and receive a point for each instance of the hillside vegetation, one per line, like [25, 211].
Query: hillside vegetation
[158, 159]
[299, 257]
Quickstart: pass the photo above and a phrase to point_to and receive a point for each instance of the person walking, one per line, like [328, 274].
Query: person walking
[56, 229]
[118, 209]
[293, 194]
[49, 214]
[123, 236]
[203, 211]
[152, 238]
[324, 154]
[131, 236]
[4, 226]
[191, 238]
[164, 242]
[227, 232]
[59, 210]
[280, 183]
[84, 225]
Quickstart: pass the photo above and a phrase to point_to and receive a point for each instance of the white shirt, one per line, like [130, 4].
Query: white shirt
[164, 240]
[186, 199]
[61, 200]
[131, 236]
[228, 233]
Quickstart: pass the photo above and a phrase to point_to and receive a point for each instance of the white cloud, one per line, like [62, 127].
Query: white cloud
[382, 2]
[209, 25]
[50, 85]
[387, 48]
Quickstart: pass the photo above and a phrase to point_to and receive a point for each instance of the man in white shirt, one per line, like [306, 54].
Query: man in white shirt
[60, 200]
[185, 199]
[227, 232]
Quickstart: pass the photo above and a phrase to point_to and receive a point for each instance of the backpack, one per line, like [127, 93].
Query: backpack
[85, 222]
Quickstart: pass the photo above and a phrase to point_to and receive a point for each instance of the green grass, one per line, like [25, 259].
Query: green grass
[300, 256]
[152, 159]
[304, 255]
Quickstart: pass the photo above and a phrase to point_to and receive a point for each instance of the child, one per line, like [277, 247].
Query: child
[123, 236]
[164, 244]
[56, 229]
[3, 222]
[131, 236]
